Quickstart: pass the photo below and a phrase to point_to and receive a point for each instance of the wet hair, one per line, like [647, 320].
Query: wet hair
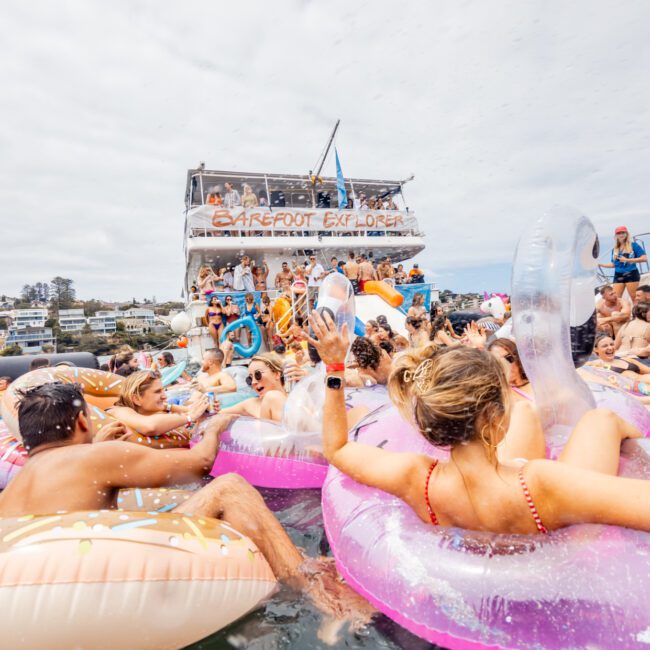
[272, 361]
[510, 348]
[640, 310]
[168, 357]
[366, 353]
[134, 385]
[39, 362]
[604, 289]
[388, 347]
[125, 371]
[449, 392]
[48, 413]
[645, 288]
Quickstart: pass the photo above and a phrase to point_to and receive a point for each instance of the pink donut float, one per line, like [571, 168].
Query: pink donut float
[269, 454]
[583, 586]
[12, 455]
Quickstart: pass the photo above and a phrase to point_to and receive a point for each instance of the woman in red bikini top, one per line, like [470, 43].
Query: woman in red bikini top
[460, 400]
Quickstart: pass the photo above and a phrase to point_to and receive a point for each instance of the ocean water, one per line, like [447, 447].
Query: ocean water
[288, 620]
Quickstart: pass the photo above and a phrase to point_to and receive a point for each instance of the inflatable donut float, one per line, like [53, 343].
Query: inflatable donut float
[285, 455]
[12, 455]
[127, 579]
[101, 390]
[580, 587]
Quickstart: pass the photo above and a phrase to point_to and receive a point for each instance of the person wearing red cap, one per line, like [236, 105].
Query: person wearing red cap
[625, 256]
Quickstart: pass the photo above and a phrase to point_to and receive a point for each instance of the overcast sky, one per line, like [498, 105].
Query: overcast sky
[501, 109]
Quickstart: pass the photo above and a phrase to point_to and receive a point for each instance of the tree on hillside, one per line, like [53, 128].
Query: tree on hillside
[62, 293]
[91, 307]
[11, 351]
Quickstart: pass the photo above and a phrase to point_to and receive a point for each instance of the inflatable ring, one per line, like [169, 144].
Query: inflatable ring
[101, 390]
[273, 455]
[171, 374]
[12, 455]
[167, 580]
[573, 588]
[256, 336]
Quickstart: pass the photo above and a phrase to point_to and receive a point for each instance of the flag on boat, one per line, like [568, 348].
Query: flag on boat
[340, 182]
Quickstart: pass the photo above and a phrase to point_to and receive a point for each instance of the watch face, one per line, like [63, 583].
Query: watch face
[334, 382]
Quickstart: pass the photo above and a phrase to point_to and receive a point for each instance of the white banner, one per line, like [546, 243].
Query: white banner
[218, 218]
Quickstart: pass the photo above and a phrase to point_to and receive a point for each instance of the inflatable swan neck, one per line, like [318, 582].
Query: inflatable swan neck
[553, 282]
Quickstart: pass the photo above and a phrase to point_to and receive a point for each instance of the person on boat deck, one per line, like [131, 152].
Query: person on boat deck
[230, 309]
[459, 399]
[207, 278]
[166, 360]
[228, 348]
[351, 270]
[265, 320]
[417, 308]
[228, 278]
[231, 197]
[212, 377]
[633, 339]
[284, 278]
[612, 310]
[243, 275]
[249, 198]
[626, 254]
[65, 472]
[400, 276]
[142, 406]
[260, 275]
[215, 318]
[372, 364]
[506, 351]
[385, 270]
[415, 275]
[265, 376]
[366, 272]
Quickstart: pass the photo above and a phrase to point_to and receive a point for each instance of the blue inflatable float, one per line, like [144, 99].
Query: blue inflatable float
[256, 336]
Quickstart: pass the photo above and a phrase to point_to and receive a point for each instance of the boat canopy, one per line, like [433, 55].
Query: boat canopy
[288, 190]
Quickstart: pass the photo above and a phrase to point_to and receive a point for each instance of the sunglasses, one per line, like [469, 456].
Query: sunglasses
[509, 358]
[258, 377]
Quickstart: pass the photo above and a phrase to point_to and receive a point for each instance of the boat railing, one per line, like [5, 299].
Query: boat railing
[319, 234]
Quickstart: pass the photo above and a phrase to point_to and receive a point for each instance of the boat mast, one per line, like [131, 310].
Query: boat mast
[315, 178]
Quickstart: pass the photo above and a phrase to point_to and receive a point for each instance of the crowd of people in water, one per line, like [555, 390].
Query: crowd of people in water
[466, 392]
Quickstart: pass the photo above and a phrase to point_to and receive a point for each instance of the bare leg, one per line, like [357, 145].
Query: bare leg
[233, 499]
[619, 289]
[214, 334]
[595, 443]
[631, 289]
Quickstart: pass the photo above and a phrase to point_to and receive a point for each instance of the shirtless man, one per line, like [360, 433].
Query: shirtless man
[213, 377]
[613, 312]
[228, 348]
[65, 472]
[351, 270]
[284, 278]
[385, 269]
[366, 272]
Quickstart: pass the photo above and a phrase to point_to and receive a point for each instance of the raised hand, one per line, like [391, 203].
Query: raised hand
[332, 345]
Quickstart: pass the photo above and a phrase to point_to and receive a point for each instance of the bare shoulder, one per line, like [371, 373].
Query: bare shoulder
[274, 397]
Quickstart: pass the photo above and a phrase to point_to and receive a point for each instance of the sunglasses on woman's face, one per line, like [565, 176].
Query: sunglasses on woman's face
[258, 377]
[509, 358]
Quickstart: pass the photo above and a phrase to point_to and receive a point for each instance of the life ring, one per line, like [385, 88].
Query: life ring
[148, 569]
[256, 336]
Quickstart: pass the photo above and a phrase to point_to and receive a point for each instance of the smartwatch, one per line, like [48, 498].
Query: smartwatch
[334, 382]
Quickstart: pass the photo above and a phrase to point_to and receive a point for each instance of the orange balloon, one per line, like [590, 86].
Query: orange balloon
[182, 342]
